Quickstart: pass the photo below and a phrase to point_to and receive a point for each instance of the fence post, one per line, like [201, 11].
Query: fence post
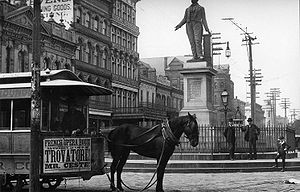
[212, 142]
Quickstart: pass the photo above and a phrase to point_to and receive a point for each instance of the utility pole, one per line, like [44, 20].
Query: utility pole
[285, 104]
[35, 100]
[294, 114]
[274, 94]
[249, 41]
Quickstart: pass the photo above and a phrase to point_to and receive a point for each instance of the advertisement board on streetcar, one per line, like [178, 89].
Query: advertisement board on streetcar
[66, 155]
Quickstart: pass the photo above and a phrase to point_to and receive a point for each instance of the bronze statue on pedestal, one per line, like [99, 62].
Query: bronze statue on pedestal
[195, 19]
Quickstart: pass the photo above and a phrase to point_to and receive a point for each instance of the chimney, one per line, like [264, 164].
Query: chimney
[165, 62]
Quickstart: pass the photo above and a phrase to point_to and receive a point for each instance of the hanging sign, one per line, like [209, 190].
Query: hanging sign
[60, 9]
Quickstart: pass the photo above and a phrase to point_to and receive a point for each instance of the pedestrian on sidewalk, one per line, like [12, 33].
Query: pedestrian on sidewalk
[282, 148]
[229, 134]
[251, 135]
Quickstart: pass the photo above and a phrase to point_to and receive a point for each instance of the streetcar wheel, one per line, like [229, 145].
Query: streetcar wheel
[50, 183]
[15, 185]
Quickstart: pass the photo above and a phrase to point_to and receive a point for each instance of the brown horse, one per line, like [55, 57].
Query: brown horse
[158, 142]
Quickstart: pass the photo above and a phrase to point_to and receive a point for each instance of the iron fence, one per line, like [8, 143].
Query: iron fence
[212, 140]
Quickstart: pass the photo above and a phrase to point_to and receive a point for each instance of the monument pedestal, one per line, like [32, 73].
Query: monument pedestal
[198, 91]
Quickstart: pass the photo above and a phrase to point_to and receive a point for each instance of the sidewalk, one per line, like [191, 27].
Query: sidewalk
[208, 166]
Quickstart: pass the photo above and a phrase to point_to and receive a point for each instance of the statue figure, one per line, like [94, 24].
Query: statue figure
[195, 19]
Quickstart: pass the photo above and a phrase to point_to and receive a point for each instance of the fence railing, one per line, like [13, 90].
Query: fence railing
[212, 140]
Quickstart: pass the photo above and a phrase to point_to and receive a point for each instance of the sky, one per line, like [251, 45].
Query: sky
[275, 24]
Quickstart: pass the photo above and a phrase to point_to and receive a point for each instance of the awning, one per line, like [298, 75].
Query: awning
[74, 87]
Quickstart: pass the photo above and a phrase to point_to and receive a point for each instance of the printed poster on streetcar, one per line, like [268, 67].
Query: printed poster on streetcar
[66, 155]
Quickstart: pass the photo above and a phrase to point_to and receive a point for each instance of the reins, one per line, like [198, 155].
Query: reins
[168, 136]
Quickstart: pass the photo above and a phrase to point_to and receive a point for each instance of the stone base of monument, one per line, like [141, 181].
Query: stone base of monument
[198, 91]
[204, 116]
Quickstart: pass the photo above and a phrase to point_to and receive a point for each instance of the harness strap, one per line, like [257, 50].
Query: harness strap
[168, 134]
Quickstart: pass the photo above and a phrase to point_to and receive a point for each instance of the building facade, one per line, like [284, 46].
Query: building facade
[124, 60]
[58, 47]
[92, 63]
[222, 81]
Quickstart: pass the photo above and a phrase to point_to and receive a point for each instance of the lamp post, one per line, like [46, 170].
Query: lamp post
[227, 51]
[224, 98]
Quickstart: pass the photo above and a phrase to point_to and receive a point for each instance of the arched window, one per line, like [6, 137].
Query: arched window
[124, 39]
[113, 34]
[21, 59]
[57, 64]
[124, 64]
[79, 49]
[118, 72]
[104, 59]
[104, 28]
[78, 15]
[9, 61]
[88, 52]
[87, 20]
[113, 64]
[129, 70]
[47, 62]
[96, 23]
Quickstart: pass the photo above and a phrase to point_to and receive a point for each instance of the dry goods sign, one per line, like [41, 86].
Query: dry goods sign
[59, 9]
[66, 155]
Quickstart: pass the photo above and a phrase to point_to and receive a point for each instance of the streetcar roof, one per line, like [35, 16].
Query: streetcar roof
[55, 78]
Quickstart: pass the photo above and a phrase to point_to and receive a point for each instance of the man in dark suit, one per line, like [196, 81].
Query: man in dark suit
[229, 134]
[251, 135]
[282, 148]
[73, 121]
[195, 19]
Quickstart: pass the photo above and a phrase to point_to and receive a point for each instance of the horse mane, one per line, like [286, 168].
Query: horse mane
[177, 121]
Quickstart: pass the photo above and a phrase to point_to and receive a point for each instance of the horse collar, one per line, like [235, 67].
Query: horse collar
[168, 135]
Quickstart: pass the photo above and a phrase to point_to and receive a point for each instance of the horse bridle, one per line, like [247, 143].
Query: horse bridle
[188, 126]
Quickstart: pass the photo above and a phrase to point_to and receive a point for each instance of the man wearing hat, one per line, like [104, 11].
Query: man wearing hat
[229, 134]
[251, 136]
[282, 148]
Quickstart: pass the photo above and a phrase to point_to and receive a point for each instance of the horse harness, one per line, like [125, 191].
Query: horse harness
[168, 135]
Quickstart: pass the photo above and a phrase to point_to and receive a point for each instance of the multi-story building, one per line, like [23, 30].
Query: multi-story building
[222, 81]
[150, 113]
[92, 61]
[58, 45]
[124, 60]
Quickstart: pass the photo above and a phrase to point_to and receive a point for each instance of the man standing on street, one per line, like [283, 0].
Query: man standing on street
[251, 136]
[229, 133]
[282, 148]
[195, 19]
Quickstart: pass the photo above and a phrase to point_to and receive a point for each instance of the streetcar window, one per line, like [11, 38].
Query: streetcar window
[5, 114]
[21, 114]
[45, 115]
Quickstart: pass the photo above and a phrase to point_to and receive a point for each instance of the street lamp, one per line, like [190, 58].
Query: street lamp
[227, 51]
[224, 98]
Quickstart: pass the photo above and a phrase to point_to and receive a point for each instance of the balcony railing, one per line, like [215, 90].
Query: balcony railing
[140, 111]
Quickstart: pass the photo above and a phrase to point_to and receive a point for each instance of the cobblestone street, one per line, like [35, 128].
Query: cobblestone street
[265, 181]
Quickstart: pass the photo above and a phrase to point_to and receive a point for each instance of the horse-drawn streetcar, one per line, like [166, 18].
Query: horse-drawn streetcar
[68, 147]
